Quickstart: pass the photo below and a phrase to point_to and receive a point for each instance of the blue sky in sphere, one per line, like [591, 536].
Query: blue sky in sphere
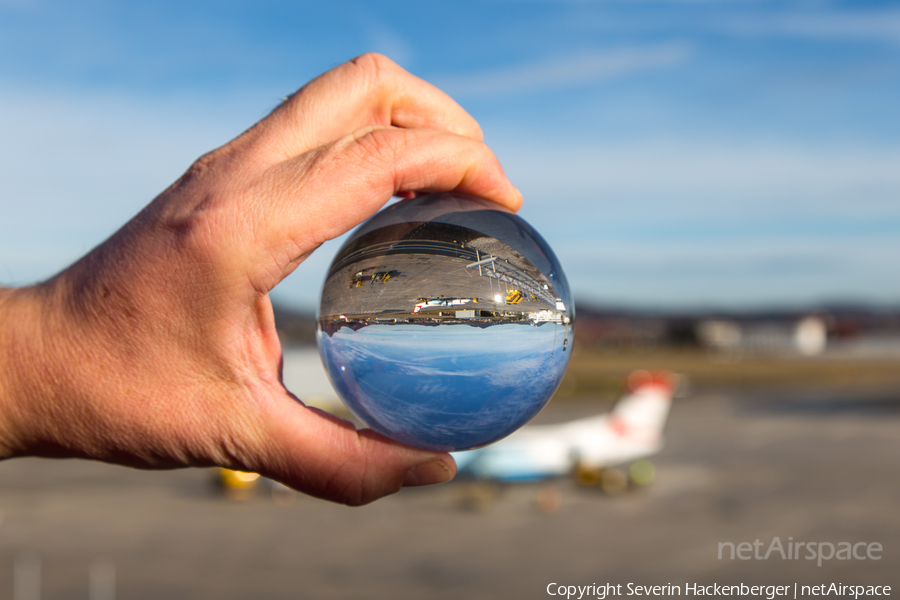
[675, 154]
[446, 387]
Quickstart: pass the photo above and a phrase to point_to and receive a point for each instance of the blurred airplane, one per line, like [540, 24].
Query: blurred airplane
[592, 449]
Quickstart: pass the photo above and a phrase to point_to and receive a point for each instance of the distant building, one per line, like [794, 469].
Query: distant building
[807, 336]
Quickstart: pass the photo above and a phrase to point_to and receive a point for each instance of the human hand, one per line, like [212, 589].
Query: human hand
[158, 349]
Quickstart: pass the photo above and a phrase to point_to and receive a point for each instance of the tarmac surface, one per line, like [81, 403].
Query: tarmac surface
[814, 466]
[360, 288]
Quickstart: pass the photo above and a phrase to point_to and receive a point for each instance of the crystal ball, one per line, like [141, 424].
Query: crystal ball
[445, 322]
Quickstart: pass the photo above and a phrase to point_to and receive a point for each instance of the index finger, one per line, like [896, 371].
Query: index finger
[370, 90]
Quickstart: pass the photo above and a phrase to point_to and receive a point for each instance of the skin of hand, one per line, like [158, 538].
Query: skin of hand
[158, 348]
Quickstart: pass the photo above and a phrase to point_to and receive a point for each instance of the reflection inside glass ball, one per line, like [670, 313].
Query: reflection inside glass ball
[445, 322]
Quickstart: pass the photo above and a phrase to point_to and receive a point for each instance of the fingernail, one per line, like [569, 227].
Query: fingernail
[430, 473]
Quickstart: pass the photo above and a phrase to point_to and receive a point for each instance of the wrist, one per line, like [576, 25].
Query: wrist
[37, 363]
[20, 364]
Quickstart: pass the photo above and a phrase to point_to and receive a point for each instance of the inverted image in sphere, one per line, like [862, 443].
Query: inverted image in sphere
[445, 322]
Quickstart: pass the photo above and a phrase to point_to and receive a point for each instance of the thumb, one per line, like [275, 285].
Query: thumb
[327, 457]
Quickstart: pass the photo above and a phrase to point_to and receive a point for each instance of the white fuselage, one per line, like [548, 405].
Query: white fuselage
[633, 430]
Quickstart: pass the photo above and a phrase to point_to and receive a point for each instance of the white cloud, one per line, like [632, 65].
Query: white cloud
[743, 273]
[565, 71]
[883, 25]
[702, 179]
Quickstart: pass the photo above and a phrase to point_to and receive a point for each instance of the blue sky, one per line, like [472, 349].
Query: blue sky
[675, 154]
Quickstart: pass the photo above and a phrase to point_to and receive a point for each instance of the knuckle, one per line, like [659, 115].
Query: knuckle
[194, 231]
[374, 65]
[200, 166]
[379, 74]
[203, 166]
[191, 236]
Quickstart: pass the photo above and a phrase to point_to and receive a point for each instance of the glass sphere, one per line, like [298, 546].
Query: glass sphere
[445, 322]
